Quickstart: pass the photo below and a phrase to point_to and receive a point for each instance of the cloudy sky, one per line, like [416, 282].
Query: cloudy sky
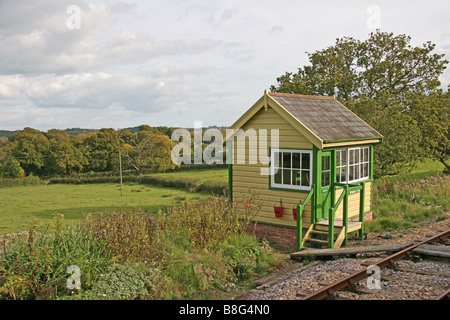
[106, 63]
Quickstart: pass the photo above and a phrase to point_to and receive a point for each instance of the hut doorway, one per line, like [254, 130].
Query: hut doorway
[324, 180]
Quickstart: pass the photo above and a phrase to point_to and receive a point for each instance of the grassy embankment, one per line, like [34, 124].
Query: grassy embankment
[43, 200]
[407, 200]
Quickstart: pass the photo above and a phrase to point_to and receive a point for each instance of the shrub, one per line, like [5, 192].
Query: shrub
[38, 262]
[207, 222]
[127, 235]
[122, 282]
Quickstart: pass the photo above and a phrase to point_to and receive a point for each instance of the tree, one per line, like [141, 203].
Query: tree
[30, 147]
[391, 85]
[102, 148]
[353, 68]
[432, 113]
[65, 156]
[10, 168]
[151, 152]
[401, 148]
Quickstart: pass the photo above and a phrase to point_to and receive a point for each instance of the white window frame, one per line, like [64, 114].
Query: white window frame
[275, 166]
[357, 166]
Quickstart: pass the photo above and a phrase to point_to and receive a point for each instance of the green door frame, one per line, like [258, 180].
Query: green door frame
[323, 196]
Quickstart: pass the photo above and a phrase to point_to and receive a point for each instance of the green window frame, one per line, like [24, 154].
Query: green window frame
[291, 169]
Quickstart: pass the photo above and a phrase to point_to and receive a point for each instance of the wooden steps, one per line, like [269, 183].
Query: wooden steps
[317, 234]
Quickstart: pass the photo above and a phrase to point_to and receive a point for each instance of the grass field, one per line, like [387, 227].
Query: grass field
[18, 204]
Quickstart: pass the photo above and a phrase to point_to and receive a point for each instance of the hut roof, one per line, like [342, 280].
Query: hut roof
[324, 119]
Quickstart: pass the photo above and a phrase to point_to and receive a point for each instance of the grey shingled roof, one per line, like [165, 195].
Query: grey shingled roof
[326, 117]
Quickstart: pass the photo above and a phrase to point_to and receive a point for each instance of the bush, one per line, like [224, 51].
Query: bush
[207, 223]
[40, 261]
[25, 181]
[122, 282]
[128, 236]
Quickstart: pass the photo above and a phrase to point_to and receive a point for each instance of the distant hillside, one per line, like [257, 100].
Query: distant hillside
[5, 133]
[76, 131]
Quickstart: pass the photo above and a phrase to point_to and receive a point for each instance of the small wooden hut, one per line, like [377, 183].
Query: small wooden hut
[319, 186]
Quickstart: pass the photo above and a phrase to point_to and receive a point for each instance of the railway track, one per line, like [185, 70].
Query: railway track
[375, 283]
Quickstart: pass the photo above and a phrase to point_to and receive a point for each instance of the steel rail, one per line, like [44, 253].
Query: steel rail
[361, 274]
[443, 295]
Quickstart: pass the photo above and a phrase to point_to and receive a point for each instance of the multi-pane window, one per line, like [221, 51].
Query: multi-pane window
[326, 171]
[291, 169]
[352, 164]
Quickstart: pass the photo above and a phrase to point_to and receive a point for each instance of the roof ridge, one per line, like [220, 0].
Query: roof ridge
[303, 96]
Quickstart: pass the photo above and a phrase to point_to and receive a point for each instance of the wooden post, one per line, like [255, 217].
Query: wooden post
[345, 214]
[299, 226]
[331, 227]
[362, 209]
[120, 170]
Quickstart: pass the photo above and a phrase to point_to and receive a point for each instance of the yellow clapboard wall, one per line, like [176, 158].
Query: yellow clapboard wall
[248, 176]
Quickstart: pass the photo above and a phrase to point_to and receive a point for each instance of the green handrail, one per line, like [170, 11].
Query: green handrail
[361, 187]
[300, 207]
[331, 214]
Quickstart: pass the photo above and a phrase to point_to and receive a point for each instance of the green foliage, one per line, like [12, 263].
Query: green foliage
[66, 155]
[149, 152]
[208, 222]
[29, 147]
[25, 181]
[61, 152]
[122, 282]
[404, 203]
[40, 261]
[391, 85]
[247, 256]
[10, 168]
[127, 235]
[102, 148]
[431, 112]
[353, 68]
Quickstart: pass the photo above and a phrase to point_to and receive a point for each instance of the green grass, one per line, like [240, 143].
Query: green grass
[19, 204]
[213, 181]
[423, 170]
[213, 175]
[407, 200]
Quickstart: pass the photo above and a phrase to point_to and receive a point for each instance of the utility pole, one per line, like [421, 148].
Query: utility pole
[120, 170]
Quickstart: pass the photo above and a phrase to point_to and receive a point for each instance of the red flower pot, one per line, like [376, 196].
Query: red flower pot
[278, 210]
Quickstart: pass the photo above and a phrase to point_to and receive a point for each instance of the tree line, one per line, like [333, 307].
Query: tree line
[390, 84]
[55, 152]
